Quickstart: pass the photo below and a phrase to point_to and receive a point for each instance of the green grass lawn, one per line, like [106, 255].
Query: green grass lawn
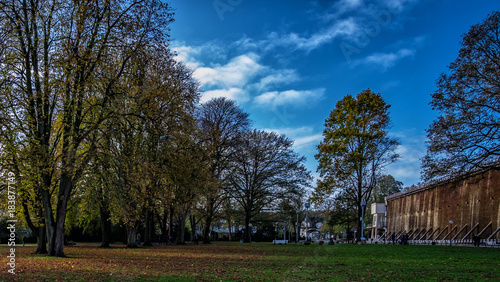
[261, 261]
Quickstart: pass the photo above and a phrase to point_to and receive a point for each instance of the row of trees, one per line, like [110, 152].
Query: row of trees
[99, 121]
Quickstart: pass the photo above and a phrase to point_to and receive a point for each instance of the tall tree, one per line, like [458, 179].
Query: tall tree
[29, 92]
[466, 134]
[355, 147]
[65, 59]
[220, 121]
[264, 168]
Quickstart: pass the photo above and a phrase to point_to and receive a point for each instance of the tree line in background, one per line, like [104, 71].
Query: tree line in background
[99, 122]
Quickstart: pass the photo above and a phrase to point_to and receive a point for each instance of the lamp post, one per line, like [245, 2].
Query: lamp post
[451, 225]
[297, 228]
[307, 205]
[362, 219]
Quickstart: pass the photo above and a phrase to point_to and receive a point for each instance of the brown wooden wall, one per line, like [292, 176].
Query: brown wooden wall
[470, 201]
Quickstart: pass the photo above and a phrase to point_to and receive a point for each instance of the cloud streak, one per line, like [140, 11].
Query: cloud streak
[289, 97]
[385, 60]
[305, 138]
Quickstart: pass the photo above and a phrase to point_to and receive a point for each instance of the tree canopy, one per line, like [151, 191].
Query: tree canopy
[466, 134]
[264, 168]
[355, 148]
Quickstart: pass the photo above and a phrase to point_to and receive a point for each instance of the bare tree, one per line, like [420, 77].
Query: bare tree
[264, 168]
[466, 134]
[220, 120]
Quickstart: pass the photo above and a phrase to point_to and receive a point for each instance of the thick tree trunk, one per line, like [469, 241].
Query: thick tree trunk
[40, 233]
[162, 222]
[149, 231]
[170, 221]
[181, 220]
[209, 217]
[49, 220]
[206, 231]
[131, 235]
[192, 221]
[65, 187]
[105, 225]
[41, 241]
[46, 211]
[247, 229]
[58, 237]
[358, 234]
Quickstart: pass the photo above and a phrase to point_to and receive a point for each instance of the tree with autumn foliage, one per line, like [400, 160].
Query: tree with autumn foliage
[147, 157]
[466, 134]
[355, 148]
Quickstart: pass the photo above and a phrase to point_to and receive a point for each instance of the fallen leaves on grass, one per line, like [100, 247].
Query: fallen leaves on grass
[242, 262]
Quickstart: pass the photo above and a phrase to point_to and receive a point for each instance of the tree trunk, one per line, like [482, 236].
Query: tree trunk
[206, 231]
[181, 220]
[105, 225]
[247, 229]
[62, 203]
[358, 234]
[229, 229]
[208, 219]
[170, 221]
[41, 240]
[162, 221]
[149, 231]
[41, 236]
[192, 221]
[49, 220]
[131, 235]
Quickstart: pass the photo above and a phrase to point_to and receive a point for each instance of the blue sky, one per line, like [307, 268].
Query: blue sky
[287, 63]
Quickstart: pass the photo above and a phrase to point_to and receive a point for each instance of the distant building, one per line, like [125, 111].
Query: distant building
[378, 211]
[454, 209]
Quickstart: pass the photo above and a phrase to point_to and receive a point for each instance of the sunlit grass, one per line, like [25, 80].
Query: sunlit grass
[232, 261]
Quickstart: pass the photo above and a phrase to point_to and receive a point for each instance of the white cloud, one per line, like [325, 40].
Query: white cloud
[342, 28]
[308, 141]
[237, 73]
[243, 75]
[278, 77]
[185, 54]
[237, 94]
[289, 97]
